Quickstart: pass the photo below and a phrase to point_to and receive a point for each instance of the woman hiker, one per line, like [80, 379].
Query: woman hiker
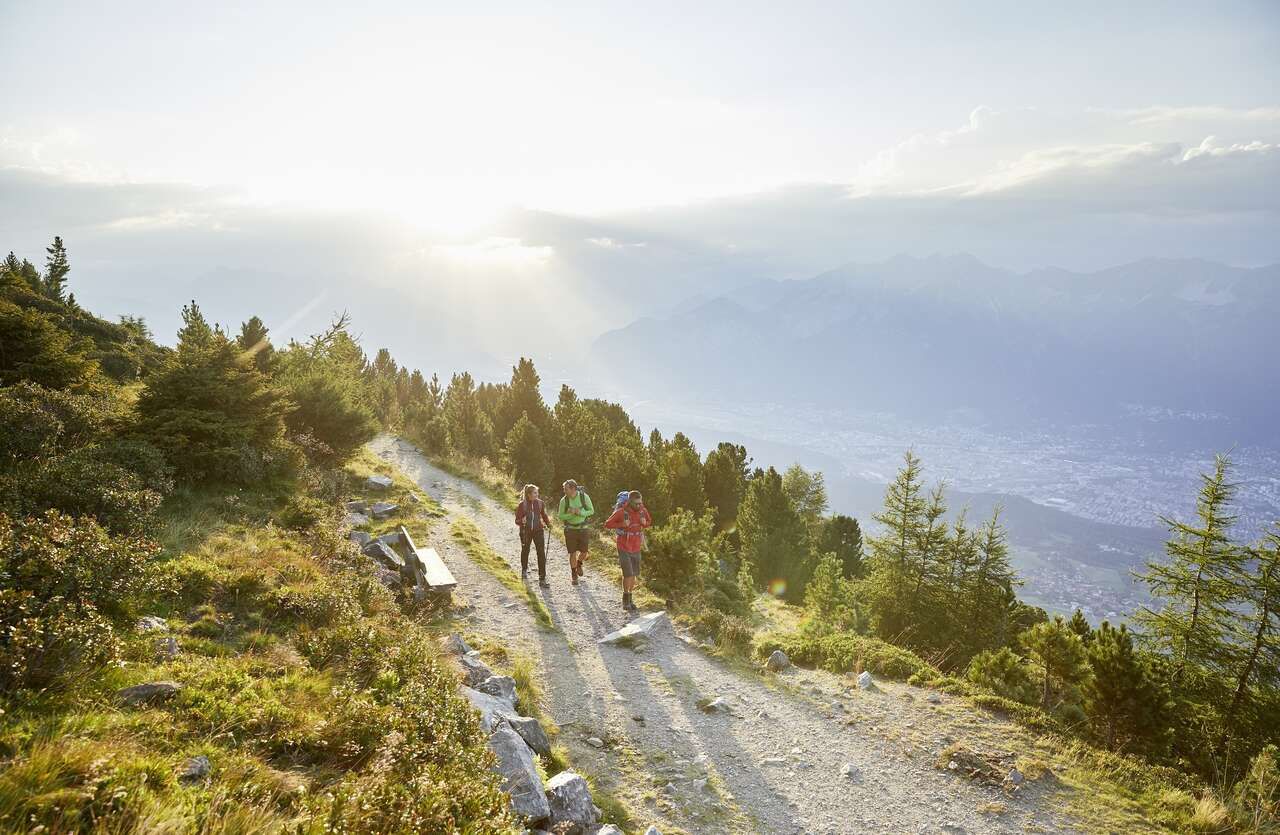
[531, 517]
[629, 521]
[575, 510]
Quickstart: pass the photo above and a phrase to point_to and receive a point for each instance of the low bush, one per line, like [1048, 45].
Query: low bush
[843, 652]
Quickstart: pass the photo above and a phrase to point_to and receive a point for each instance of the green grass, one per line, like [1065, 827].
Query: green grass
[466, 534]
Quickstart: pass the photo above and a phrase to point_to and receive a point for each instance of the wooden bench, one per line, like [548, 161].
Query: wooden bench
[425, 566]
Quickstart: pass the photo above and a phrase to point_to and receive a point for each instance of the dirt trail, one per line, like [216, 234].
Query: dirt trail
[777, 764]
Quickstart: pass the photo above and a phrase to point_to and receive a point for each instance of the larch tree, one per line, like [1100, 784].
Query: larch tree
[55, 271]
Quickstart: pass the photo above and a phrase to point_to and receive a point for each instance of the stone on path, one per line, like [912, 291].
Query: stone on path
[1015, 777]
[492, 709]
[933, 699]
[609, 829]
[531, 732]
[640, 628]
[595, 742]
[717, 705]
[653, 830]
[197, 768]
[379, 482]
[865, 682]
[520, 777]
[572, 811]
[850, 772]
[502, 687]
[150, 691]
[778, 661]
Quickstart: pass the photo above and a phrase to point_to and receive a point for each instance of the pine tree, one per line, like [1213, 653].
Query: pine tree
[527, 455]
[842, 536]
[522, 397]
[1080, 625]
[195, 333]
[680, 476]
[1003, 673]
[773, 537]
[889, 566]
[724, 475]
[254, 341]
[1058, 655]
[33, 347]
[1257, 631]
[830, 602]
[55, 272]
[808, 492]
[1196, 581]
[1126, 704]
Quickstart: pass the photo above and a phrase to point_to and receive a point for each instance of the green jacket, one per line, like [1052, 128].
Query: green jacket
[575, 513]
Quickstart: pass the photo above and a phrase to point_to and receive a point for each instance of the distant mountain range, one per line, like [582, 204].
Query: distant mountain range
[934, 337]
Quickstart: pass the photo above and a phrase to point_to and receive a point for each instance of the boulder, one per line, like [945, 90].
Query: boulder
[639, 629]
[356, 507]
[355, 520]
[503, 687]
[609, 829]
[383, 553]
[197, 768]
[865, 682]
[572, 811]
[379, 482]
[149, 692]
[717, 705]
[493, 711]
[454, 645]
[653, 830]
[360, 538]
[381, 510]
[153, 623]
[531, 732]
[476, 670]
[520, 778]
[595, 742]
[849, 771]
[933, 699]
[778, 661]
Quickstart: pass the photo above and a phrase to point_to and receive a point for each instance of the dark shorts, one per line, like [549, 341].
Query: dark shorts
[630, 563]
[576, 539]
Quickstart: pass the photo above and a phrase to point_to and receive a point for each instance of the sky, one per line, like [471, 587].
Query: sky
[454, 153]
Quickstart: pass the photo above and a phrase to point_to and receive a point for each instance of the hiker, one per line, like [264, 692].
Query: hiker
[575, 510]
[629, 521]
[531, 518]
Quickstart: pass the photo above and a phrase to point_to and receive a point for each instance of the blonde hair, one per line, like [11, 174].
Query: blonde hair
[528, 488]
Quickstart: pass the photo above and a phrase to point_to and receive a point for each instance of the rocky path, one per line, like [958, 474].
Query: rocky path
[802, 752]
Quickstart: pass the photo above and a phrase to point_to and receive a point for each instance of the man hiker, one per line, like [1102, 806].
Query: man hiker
[629, 521]
[575, 510]
[531, 518]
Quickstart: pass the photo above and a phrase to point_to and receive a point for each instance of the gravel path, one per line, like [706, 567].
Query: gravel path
[777, 763]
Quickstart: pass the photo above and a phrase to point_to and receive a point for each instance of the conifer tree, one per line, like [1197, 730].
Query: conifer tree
[808, 492]
[527, 455]
[888, 583]
[1257, 630]
[522, 397]
[55, 272]
[773, 536]
[1058, 656]
[254, 341]
[724, 475]
[1126, 704]
[1195, 582]
[680, 476]
[830, 602]
[842, 536]
[195, 333]
[1080, 625]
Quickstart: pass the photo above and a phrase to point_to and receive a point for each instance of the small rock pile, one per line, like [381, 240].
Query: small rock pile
[564, 805]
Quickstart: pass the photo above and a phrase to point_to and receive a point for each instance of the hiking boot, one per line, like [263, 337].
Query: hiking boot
[632, 607]
[544, 584]
[524, 574]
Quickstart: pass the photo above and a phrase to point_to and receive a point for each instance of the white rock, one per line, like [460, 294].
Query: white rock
[476, 670]
[850, 772]
[379, 482]
[492, 709]
[934, 699]
[718, 705]
[520, 778]
[153, 623]
[653, 830]
[609, 829]
[455, 645]
[531, 732]
[865, 682]
[640, 628]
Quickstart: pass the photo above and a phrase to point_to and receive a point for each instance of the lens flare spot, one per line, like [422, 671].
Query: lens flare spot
[778, 587]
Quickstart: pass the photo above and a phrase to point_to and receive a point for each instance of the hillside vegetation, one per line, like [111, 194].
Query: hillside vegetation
[172, 516]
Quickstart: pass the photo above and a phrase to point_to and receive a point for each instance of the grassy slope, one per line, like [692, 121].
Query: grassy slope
[293, 666]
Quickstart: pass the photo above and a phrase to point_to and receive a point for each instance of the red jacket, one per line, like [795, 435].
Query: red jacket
[538, 508]
[630, 523]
